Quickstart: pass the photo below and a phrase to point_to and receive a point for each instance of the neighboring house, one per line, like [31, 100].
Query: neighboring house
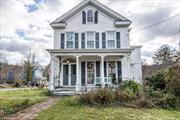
[92, 48]
[9, 73]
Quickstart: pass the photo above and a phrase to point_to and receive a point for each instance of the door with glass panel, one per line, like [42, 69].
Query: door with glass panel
[111, 71]
[69, 74]
[90, 72]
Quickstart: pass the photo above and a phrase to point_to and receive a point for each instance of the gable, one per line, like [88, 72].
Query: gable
[109, 12]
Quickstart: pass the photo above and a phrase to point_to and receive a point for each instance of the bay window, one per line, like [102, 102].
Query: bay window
[69, 40]
[90, 40]
[110, 39]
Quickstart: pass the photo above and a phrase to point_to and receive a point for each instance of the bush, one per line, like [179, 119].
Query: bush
[157, 81]
[167, 101]
[151, 93]
[122, 96]
[173, 80]
[87, 98]
[17, 83]
[130, 86]
[101, 96]
[144, 103]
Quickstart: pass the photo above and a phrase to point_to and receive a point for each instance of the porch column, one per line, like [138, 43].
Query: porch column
[78, 81]
[102, 70]
[129, 70]
[51, 82]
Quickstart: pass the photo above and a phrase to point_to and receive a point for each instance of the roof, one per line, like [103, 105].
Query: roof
[95, 4]
[88, 51]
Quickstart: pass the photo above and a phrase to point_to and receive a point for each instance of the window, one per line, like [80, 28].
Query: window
[83, 17]
[90, 16]
[96, 17]
[111, 39]
[69, 40]
[90, 40]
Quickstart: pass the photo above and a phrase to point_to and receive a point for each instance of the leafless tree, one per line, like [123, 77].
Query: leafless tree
[163, 55]
[29, 64]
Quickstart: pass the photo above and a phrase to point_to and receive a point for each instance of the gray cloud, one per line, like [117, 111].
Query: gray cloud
[167, 28]
[147, 53]
[53, 5]
[14, 46]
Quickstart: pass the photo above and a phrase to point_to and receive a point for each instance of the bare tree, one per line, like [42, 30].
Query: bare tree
[3, 60]
[29, 64]
[163, 55]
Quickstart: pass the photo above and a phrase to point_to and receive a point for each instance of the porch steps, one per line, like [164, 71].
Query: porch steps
[65, 91]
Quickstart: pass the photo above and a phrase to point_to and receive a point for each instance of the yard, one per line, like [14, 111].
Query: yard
[13, 101]
[66, 108]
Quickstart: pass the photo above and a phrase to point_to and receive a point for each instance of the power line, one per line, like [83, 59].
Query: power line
[152, 25]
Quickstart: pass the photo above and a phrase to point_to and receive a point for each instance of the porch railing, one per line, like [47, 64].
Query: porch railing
[99, 81]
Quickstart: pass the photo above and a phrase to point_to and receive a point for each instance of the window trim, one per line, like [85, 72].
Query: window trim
[107, 40]
[87, 40]
[73, 39]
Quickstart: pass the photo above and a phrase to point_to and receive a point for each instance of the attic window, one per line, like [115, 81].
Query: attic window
[90, 16]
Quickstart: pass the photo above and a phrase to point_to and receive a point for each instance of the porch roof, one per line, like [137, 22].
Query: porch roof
[84, 51]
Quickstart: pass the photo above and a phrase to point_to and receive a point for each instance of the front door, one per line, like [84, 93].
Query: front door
[69, 74]
[90, 72]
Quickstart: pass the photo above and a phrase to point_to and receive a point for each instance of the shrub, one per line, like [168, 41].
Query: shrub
[151, 93]
[173, 80]
[101, 96]
[86, 98]
[17, 83]
[122, 96]
[144, 103]
[157, 81]
[167, 101]
[130, 86]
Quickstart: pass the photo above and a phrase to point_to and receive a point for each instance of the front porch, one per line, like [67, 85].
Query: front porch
[73, 73]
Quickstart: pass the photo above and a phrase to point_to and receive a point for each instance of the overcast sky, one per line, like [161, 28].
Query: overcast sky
[24, 24]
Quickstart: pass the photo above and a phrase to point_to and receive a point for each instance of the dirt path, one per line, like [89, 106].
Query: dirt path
[31, 112]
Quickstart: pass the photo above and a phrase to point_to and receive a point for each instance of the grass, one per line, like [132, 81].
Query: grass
[13, 101]
[67, 109]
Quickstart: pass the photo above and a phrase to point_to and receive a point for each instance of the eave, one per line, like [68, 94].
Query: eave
[89, 50]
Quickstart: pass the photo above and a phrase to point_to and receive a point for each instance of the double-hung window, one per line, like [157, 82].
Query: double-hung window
[111, 39]
[70, 40]
[90, 40]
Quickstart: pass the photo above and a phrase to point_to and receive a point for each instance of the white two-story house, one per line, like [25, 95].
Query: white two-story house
[92, 48]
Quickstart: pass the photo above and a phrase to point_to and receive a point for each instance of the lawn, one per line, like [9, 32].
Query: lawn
[13, 101]
[66, 109]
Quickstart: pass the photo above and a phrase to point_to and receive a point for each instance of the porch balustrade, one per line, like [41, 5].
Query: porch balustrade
[100, 81]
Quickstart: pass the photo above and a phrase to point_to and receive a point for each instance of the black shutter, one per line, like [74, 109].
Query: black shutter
[118, 42]
[83, 17]
[76, 40]
[105, 74]
[82, 40]
[96, 17]
[119, 71]
[103, 40]
[97, 68]
[83, 75]
[97, 40]
[62, 40]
